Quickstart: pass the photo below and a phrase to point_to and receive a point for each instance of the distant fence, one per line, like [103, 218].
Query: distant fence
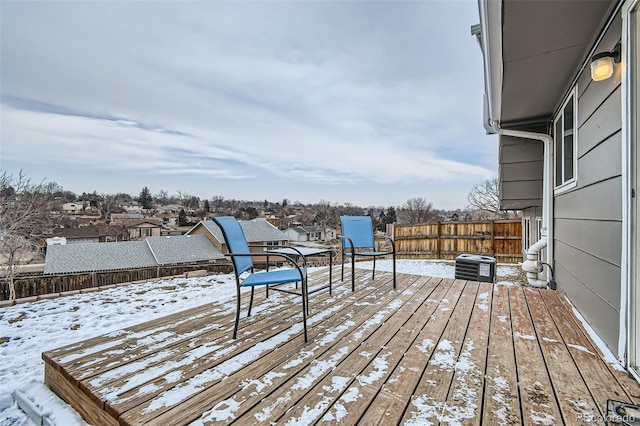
[501, 239]
[29, 285]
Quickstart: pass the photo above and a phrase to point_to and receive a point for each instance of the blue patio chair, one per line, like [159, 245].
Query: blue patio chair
[241, 257]
[358, 240]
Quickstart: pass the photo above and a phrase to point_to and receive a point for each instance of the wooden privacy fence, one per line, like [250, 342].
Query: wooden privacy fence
[501, 239]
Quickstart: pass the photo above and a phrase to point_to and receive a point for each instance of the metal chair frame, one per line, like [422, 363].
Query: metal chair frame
[357, 234]
[242, 261]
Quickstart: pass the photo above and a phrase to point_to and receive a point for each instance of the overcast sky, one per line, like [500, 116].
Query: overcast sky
[370, 103]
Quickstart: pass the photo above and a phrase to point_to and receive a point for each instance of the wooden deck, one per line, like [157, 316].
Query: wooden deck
[433, 351]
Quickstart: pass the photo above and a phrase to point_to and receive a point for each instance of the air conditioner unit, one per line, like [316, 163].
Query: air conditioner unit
[473, 267]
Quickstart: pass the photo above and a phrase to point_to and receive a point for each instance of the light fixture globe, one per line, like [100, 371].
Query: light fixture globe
[602, 63]
[602, 67]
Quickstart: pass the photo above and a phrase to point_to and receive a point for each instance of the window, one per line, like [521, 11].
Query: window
[565, 145]
[538, 228]
[145, 232]
[271, 245]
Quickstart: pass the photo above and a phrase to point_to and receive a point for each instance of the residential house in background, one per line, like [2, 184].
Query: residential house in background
[89, 234]
[133, 207]
[307, 234]
[258, 232]
[115, 217]
[72, 208]
[140, 229]
[568, 158]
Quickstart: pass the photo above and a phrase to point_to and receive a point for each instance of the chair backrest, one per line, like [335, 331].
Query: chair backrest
[236, 242]
[359, 229]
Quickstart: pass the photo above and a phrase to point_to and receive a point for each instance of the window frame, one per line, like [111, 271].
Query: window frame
[270, 245]
[569, 183]
[526, 233]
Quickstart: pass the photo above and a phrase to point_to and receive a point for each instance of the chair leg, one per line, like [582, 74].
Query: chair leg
[235, 327]
[342, 261]
[251, 301]
[394, 270]
[305, 307]
[373, 274]
[353, 272]
[330, 271]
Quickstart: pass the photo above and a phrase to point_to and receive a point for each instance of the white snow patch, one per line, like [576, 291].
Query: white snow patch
[380, 366]
[338, 384]
[333, 333]
[484, 304]
[222, 411]
[260, 385]
[539, 418]
[524, 336]
[318, 368]
[580, 348]
[444, 357]
[425, 346]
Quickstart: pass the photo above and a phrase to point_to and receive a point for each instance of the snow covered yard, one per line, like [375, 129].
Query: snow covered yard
[28, 330]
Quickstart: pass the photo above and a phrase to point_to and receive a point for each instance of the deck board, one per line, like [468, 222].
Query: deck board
[434, 351]
[536, 391]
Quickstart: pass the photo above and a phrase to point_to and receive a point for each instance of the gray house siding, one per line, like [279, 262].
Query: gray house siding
[520, 173]
[588, 218]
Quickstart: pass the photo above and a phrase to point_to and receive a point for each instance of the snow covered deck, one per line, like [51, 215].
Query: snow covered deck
[433, 350]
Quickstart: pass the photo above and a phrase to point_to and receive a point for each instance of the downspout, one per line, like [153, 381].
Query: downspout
[491, 39]
[532, 265]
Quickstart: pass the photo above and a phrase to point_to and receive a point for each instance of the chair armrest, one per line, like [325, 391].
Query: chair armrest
[346, 238]
[286, 256]
[393, 244]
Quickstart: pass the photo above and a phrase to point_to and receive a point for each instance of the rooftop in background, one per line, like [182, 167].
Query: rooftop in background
[153, 251]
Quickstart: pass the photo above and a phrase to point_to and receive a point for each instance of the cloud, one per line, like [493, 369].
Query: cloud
[320, 92]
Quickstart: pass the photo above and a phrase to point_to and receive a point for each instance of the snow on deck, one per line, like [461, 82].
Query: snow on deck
[434, 350]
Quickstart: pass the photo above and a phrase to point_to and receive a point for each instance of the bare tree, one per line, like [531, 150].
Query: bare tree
[416, 210]
[108, 205]
[25, 218]
[326, 216]
[485, 196]
[162, 197]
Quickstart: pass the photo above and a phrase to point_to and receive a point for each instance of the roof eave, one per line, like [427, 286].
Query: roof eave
[491, 45]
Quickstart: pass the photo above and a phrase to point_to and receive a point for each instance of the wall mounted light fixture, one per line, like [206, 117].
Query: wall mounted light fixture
[602, 64]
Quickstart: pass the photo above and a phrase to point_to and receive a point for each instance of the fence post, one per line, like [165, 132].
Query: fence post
[493, 240]
[439, 240]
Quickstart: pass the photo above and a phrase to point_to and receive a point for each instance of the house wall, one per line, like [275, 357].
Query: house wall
[294, 236]
[200, 229]
[588, 218]
[520, 173]
[136, 232]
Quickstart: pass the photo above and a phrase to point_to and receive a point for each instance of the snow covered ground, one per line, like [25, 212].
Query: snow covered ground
[27, 330]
